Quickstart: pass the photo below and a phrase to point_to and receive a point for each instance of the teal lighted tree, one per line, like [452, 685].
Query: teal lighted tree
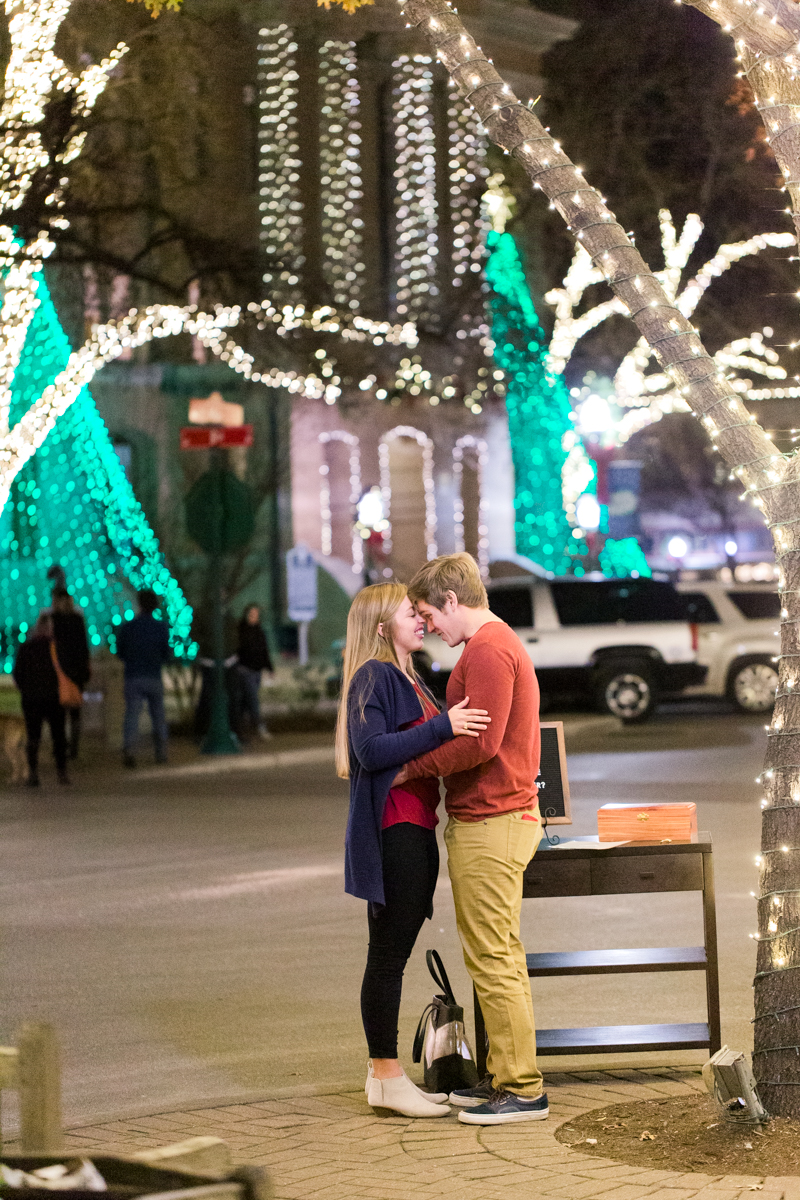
[72, 505]
[538, 413]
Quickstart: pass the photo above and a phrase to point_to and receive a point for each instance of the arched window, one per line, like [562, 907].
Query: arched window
[339, 493]
[406, 463]
[471, 534]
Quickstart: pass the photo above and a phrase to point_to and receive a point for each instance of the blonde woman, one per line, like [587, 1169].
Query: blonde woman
[386, 718]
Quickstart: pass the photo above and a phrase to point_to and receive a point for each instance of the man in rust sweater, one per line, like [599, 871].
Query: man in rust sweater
[493, 828]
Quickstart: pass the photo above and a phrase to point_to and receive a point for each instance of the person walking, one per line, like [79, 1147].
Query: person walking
[143, 646]
[72, 647]
[493, 829]
[36, 676]
[385, 718]
[253, 659]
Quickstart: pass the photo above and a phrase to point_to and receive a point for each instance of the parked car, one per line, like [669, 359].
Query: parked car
[624, 642]
[739, 625]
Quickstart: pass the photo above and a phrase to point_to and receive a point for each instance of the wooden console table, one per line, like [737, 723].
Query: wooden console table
[589, 870]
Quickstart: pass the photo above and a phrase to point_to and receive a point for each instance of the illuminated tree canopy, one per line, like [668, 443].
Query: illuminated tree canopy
[538, 412]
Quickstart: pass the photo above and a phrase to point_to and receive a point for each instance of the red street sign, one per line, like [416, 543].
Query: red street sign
[206, 437]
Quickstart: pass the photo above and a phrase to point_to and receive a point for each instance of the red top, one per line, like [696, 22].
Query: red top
[417, 800]
[496, 772]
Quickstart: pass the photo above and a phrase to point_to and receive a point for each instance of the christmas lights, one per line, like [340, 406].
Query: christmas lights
[623, 558]
[349, 439]
[480, 455]
[72, 505]
[279, 160]
[538, 413]
[416, 207]
[649, 397]
[340, 143]
[467, 169]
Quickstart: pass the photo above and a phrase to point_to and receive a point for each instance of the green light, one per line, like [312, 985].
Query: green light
[538, 411]
[76, 473]
[622, 557]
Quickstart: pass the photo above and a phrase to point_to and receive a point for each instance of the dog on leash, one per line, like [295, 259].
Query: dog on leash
[12, 737]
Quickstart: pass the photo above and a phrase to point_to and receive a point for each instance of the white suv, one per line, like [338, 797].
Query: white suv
[622, 642]
[739, 625]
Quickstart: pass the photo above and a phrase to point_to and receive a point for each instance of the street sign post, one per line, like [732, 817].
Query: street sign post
[220, 518]
[301, 587]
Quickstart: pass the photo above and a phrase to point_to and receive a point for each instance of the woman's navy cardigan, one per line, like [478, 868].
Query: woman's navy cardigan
[377, 751]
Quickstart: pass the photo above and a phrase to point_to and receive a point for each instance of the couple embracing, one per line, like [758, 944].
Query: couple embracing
[393, 744]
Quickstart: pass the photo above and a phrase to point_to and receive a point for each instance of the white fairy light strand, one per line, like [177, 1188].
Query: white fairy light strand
[422, 440]
[416, 207]
[279, 159]
[467, 170]
[357, 547]
[341, 185]
[481, 455]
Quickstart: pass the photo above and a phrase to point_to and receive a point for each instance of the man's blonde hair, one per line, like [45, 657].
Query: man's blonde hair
[457, 573]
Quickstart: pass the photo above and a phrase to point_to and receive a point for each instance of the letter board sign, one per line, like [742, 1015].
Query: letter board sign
[552, 779]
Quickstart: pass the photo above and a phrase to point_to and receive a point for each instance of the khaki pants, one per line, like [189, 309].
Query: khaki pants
[486, 860]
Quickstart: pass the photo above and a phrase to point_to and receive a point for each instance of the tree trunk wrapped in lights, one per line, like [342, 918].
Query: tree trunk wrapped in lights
[769, 478]
[767, 38]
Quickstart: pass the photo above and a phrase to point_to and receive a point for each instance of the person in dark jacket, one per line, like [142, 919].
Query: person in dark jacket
[253, 659]
[35, 676]
[69, 630]
[386, 717]
[143, 646]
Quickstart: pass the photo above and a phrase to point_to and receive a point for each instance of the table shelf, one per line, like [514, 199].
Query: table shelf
[613, 962]
[591, 869]
[605, 1039]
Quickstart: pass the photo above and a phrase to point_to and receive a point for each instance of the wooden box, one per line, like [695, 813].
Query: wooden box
[647, 822]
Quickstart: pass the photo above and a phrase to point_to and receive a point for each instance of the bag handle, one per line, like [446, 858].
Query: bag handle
[419, 1036]
[439, 975]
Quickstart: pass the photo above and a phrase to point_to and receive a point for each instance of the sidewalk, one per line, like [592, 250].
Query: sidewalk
[333, 1147]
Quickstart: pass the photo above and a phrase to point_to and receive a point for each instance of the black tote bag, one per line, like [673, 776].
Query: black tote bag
[441, 1036]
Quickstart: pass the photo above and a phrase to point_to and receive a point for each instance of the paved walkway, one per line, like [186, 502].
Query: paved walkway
[333, 1147]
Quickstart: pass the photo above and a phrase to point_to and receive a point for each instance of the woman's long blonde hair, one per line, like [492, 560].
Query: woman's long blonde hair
[373, 605]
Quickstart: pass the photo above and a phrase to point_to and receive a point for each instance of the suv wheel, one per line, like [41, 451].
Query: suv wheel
[752, 685]
[626, 690]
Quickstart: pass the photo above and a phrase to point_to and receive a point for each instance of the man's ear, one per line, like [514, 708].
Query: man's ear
[451, 601]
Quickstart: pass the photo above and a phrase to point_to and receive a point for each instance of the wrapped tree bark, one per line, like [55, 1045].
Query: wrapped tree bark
[771, 480]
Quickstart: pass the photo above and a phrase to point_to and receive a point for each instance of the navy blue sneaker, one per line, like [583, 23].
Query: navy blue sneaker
[472, 1097]
[505, 1107]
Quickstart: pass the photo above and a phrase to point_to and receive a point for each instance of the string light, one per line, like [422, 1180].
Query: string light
[279, 161]
[416, 206]
[650, 397]
[538, 413]
[357, 549]
[340, 175]
[480, 455]
[73, 505]
[467, 169]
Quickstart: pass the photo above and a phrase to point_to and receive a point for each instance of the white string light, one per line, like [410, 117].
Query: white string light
[422, 440]
[467, 170]
[279, 161]
[340, 144]
[349, 439]
[416, 207]
[480, 454]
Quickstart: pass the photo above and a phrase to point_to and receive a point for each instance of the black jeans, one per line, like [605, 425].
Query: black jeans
[36, 711]
[410, 870]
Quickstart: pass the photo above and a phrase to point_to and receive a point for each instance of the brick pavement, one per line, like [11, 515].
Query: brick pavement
[333, 1147]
